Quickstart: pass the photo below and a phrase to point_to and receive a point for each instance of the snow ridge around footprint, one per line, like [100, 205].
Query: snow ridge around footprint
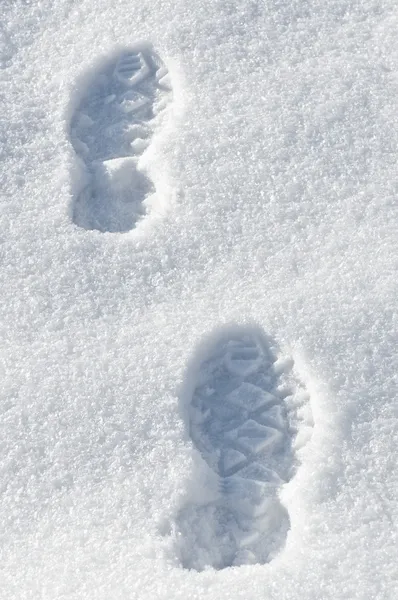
[243, 418]
[111, 128]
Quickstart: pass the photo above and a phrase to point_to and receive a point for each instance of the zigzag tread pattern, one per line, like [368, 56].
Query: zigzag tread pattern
[110, 130]
[239, 423]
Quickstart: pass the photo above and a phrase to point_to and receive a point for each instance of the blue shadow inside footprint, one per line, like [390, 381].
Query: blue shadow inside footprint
[233, 404]
[113, 200]
[111, 127]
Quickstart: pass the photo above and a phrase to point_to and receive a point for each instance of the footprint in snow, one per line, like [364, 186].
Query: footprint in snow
[110, 130]
[243, 418]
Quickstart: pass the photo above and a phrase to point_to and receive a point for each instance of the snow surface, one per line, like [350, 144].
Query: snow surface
[276, 176]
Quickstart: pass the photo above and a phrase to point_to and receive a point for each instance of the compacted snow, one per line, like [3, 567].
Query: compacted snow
[199, 307]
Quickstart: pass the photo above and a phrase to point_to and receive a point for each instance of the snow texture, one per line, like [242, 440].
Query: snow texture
[252, 193]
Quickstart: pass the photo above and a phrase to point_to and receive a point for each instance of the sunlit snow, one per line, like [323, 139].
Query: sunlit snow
[199, 254]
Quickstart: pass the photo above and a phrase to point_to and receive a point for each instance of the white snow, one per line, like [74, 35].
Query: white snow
[276, 178]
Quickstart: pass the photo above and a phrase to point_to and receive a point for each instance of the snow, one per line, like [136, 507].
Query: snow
[275, 174]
